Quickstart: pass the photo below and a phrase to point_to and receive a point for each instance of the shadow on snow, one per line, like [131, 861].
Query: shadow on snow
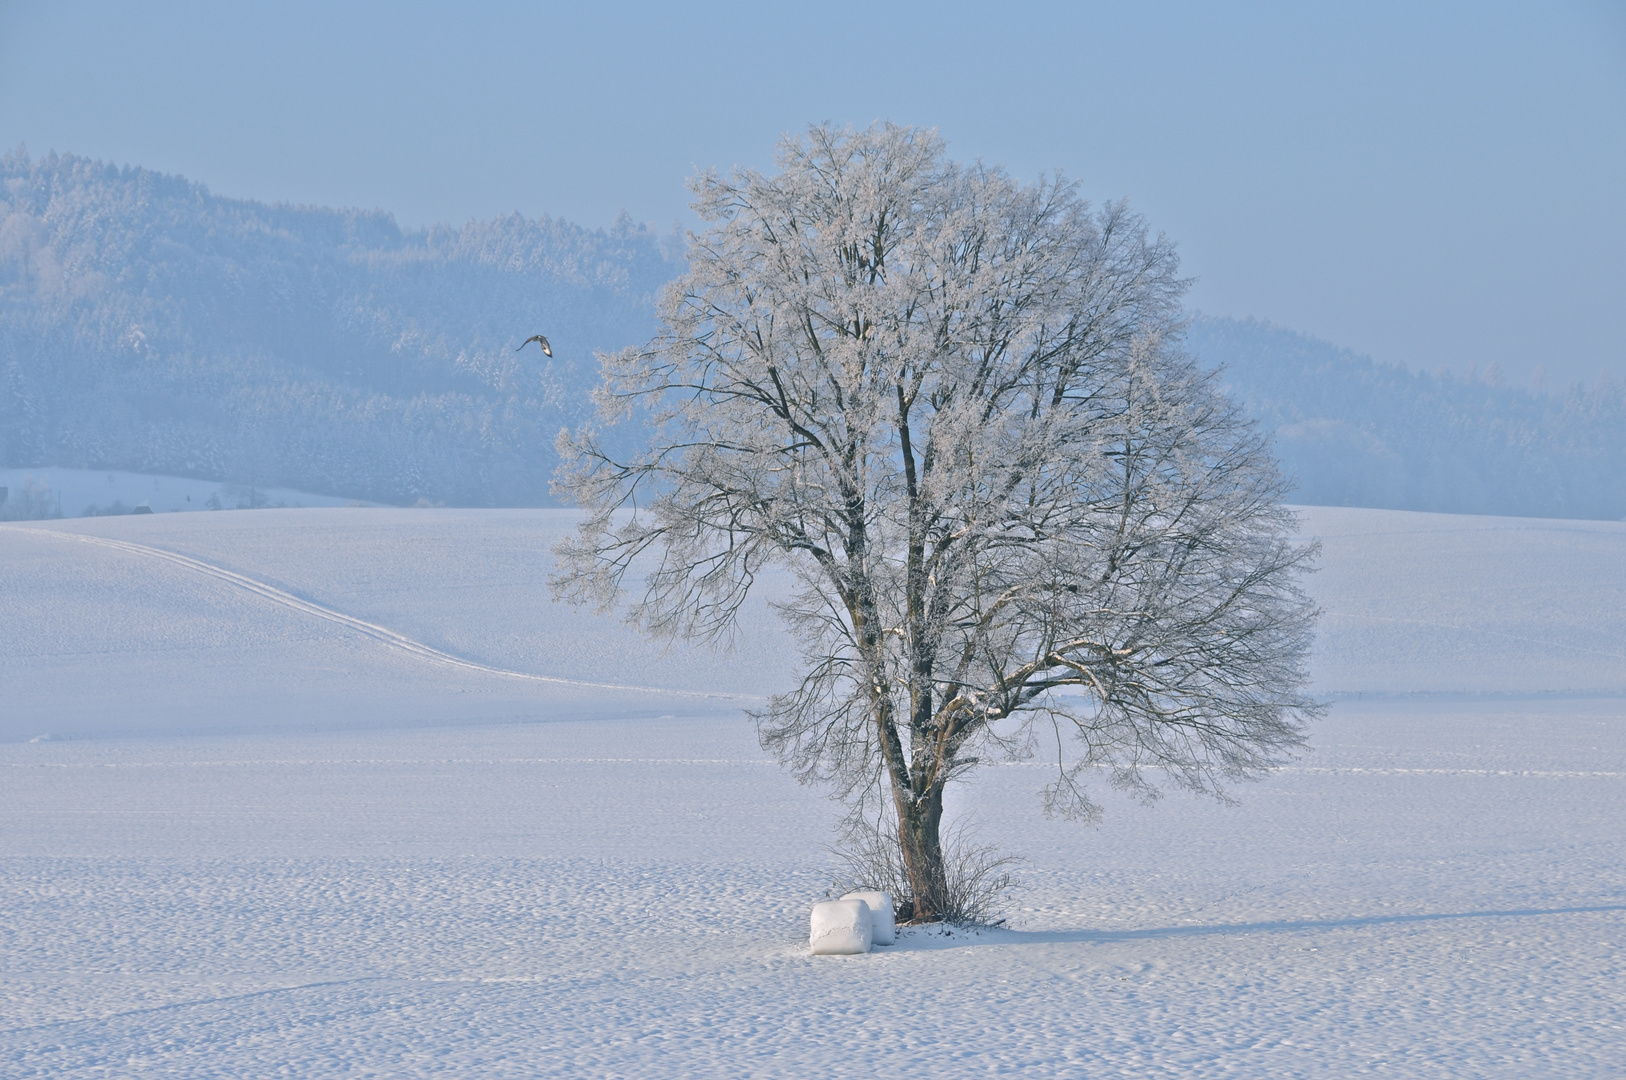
[923, 937]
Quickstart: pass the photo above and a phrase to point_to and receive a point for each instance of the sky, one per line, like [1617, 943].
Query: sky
[1429, 184]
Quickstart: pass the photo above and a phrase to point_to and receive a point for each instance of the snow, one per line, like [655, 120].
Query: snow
[1442, 603]
[79, 492]
[259, 839]
[840, 928]
[179, 650]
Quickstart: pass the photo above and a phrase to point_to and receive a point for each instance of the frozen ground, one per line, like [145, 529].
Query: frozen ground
[265, 840]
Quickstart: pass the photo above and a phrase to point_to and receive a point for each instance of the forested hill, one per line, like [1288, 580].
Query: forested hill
[1358, 433]
[147, 325]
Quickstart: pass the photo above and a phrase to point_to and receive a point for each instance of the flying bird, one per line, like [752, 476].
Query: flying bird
[540, 340]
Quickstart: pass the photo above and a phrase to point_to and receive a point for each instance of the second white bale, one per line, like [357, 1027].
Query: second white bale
[841, 927]
[882, 920]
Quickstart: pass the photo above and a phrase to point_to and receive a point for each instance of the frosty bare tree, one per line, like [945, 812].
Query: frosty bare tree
[955, 408]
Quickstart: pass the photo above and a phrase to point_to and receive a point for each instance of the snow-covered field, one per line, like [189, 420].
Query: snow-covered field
[83, 492]
[341, 792]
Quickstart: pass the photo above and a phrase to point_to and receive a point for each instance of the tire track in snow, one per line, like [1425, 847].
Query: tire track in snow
[378, 633]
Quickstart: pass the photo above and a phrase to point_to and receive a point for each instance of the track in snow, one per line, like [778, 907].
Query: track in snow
[378, 633]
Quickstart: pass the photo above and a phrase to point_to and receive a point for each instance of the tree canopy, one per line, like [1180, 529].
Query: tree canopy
[955, 408]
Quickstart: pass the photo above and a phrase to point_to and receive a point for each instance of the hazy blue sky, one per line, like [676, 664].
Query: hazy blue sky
[1430, 184]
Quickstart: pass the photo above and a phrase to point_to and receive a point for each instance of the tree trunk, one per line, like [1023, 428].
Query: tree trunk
[919, 837]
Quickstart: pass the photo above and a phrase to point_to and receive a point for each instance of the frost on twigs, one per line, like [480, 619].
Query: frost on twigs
[1019, 518]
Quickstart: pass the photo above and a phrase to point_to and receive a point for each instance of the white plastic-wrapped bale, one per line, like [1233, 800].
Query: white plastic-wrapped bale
[840, 927]
[883, 927]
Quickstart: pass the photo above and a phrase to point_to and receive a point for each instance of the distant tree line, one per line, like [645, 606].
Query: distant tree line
[1358, 433]
[148, 325]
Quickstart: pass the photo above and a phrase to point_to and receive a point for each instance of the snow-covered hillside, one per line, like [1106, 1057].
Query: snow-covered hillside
[1413, 603]
[251, 625]
[341, 792]
[1444, 603]
[1354, 432]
